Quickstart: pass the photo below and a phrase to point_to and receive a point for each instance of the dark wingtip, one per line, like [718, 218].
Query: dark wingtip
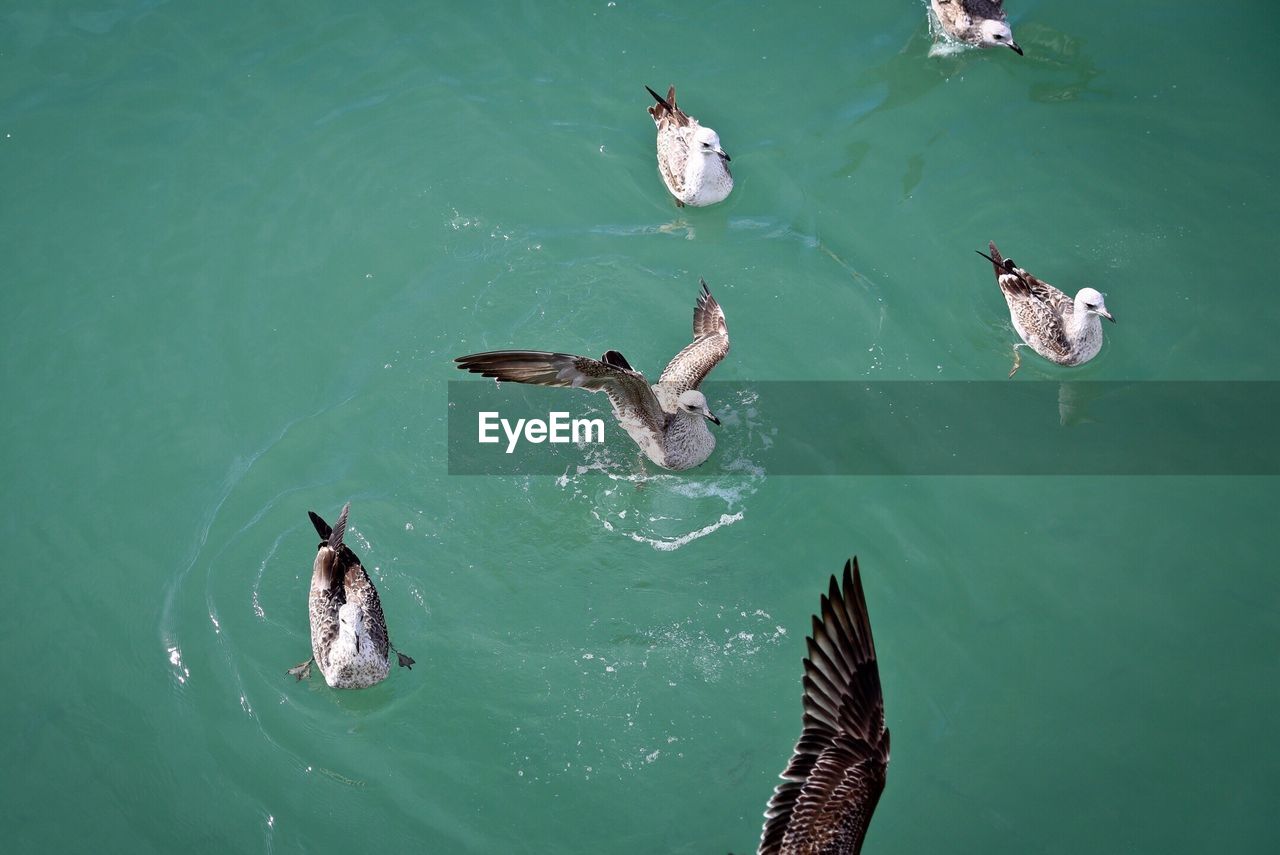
[663, 101]
[616, 359]
[853, 577]
[470, 362]
[322, 527]
[705, 289]
[335, 537]
[1002, 264]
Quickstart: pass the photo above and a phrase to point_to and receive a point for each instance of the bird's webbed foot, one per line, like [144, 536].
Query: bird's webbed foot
[1017, 360]
[302, 670]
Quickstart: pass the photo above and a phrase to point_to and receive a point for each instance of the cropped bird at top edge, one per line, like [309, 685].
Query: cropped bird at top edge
[667, 419]
[1060, 328]
[348, 631]
[835, 776]
[975, 22]
[690, 159]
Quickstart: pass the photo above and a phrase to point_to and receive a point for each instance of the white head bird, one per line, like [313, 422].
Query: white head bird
[975, 22]
[691, 161]
[993, 33]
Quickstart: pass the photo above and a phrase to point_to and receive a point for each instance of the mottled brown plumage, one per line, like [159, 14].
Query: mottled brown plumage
[836, 775]
[339, 578]
[1061, 328]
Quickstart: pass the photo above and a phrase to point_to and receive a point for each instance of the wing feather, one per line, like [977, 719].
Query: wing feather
[835, 776]
[628, 391]
[688, 368]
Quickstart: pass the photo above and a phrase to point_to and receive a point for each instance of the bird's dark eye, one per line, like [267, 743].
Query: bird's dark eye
[999, 37]
[1090, 305]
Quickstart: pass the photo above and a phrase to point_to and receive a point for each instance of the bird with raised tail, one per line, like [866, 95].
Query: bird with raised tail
[691, 161]
[348, 631]
[975, 22]
[668, 419]
[1060, 328]
[833, 782]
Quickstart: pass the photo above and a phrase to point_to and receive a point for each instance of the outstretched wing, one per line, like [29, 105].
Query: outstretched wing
[627, 389]
[835, 777]
[710, 343]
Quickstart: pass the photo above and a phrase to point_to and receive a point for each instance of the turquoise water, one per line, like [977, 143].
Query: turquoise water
[242, 244]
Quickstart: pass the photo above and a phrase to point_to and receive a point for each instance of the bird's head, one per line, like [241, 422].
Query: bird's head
[998, 34]
[707, 142]
[1091, 300]
[693, 401]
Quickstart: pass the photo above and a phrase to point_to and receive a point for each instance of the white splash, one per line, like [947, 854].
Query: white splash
[671, 544]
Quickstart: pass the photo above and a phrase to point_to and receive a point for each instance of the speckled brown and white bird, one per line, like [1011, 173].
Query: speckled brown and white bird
[690, 159]
[668, 419]
[975, 22]
[833, 782]
[1053, 324]
[348, 631]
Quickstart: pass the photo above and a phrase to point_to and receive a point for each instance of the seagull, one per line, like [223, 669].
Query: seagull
[668, 419]
[1058, 328]
[976, 22]
[348, 632]
[835, 777]
[690, 160]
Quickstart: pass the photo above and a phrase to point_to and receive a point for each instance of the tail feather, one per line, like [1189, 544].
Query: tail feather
[326, 562]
